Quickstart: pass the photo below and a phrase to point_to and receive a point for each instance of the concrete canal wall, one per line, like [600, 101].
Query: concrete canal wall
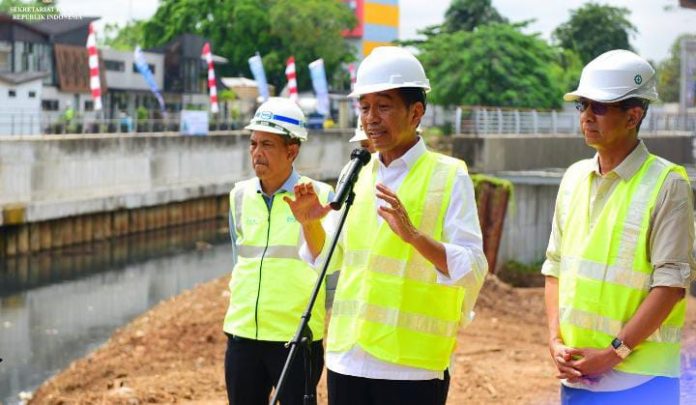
[61, 190]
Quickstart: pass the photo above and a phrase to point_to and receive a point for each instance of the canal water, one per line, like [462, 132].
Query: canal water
[57, 307]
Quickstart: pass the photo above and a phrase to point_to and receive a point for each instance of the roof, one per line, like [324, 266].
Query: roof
[8, 19]
[56, 27]
[19, 78]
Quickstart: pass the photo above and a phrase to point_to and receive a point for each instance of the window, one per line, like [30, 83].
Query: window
[49, 105]
[5, 56]
[89, 105]
[32, 94]
[151, 66]
[12, 93]
[114, 65]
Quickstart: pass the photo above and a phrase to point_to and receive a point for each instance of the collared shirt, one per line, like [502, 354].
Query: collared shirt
[466, 262]
[670, 244]
[288, 186]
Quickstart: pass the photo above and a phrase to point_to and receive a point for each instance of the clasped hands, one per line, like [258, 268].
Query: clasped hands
[584, 365]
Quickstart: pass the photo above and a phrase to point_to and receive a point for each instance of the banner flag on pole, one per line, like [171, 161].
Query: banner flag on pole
[207, 54]
[256, 66]
[94, 83]
[144, 70]
[321, 87]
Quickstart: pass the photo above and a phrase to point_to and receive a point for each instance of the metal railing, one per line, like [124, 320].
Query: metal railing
[22, 123]
[483, 121]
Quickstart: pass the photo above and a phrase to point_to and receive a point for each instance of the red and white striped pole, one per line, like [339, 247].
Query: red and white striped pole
[291, 74]
[208, 55]
[94, 83]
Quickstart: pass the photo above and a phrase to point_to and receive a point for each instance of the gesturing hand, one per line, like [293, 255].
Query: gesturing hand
[395, 215]
[306, 206]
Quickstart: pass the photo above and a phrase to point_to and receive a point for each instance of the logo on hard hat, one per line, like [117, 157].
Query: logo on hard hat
[264, 115]
[638, 79]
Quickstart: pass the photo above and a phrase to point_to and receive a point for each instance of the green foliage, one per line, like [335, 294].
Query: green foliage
[594, 29]
[669, 72]
[122, 38]
[141, 113]
[277, 29]
[466, 15]
[494, 65]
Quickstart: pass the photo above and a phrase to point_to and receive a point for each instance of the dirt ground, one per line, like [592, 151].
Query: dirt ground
[174, 354]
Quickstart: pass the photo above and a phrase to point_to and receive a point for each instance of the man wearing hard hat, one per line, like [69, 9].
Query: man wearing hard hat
[270, 285]
[410, 254]
[619, 258]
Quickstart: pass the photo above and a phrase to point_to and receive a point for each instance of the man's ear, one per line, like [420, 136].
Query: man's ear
[293, 151]
[417, 112]
[635, 114]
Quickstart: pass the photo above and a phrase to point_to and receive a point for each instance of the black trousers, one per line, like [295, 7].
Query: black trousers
[659, 390]
[349, 390]
[253, 367]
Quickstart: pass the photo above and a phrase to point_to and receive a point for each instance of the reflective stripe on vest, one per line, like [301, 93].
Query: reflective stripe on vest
[388, 300]
[606, 272]
[270, 284]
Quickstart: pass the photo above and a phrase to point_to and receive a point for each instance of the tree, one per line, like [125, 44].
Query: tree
[123, 38]
[669, 72]
[594, 29]
[466, 15]
[494, 65]
[277, 29]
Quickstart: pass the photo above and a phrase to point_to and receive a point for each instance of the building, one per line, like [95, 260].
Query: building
[20, 103]
[378, 24]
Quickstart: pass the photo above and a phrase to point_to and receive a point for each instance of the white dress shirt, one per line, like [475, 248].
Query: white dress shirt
[466, 263]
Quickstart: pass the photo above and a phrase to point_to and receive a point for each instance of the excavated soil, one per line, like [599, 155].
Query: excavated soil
[174, 354]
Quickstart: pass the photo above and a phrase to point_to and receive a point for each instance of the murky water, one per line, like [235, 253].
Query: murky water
[55, 308]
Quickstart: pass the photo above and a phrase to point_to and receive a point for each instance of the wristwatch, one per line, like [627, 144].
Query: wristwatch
[620, 348]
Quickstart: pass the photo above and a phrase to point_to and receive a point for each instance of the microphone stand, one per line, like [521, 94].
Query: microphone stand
[303, 335]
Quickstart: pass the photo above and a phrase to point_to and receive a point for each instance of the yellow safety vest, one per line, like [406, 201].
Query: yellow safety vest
[606, 272]
[270, 284]
[388, 300]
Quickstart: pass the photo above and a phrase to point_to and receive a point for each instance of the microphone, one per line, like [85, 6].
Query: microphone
[358, 158]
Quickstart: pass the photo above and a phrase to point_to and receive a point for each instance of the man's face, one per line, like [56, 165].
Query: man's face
[270, 156]
[606, 126]
[388, 123]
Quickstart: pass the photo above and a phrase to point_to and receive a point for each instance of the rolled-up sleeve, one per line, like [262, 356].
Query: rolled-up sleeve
[672, 235]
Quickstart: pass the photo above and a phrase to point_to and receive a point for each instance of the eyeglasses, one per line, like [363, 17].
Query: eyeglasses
[596, 107]
[602, 108]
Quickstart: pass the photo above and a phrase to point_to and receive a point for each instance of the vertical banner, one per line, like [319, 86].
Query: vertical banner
[144, 70]
[256, 66]
[321, 88]
[291, 74]
[207, 54]
[94, 83]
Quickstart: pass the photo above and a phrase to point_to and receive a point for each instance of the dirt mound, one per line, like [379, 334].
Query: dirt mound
[174, 354]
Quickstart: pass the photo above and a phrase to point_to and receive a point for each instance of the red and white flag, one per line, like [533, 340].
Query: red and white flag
[292, 78]
[208, 56]
[94, 83]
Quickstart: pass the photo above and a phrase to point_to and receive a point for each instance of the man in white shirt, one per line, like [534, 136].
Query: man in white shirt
[410, 254]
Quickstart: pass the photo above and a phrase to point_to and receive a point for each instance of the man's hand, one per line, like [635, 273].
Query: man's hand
[395, 215]
[593, 362]
[306, 206]
[562, 356]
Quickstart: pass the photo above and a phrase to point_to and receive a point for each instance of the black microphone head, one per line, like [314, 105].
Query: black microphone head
[362, 154]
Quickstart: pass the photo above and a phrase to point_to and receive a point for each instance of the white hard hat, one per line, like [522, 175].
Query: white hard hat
[279, 116]
[359, 135]
[615, 76]
[389, 67]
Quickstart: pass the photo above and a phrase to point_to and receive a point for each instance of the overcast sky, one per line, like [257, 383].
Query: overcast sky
[657, 27]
